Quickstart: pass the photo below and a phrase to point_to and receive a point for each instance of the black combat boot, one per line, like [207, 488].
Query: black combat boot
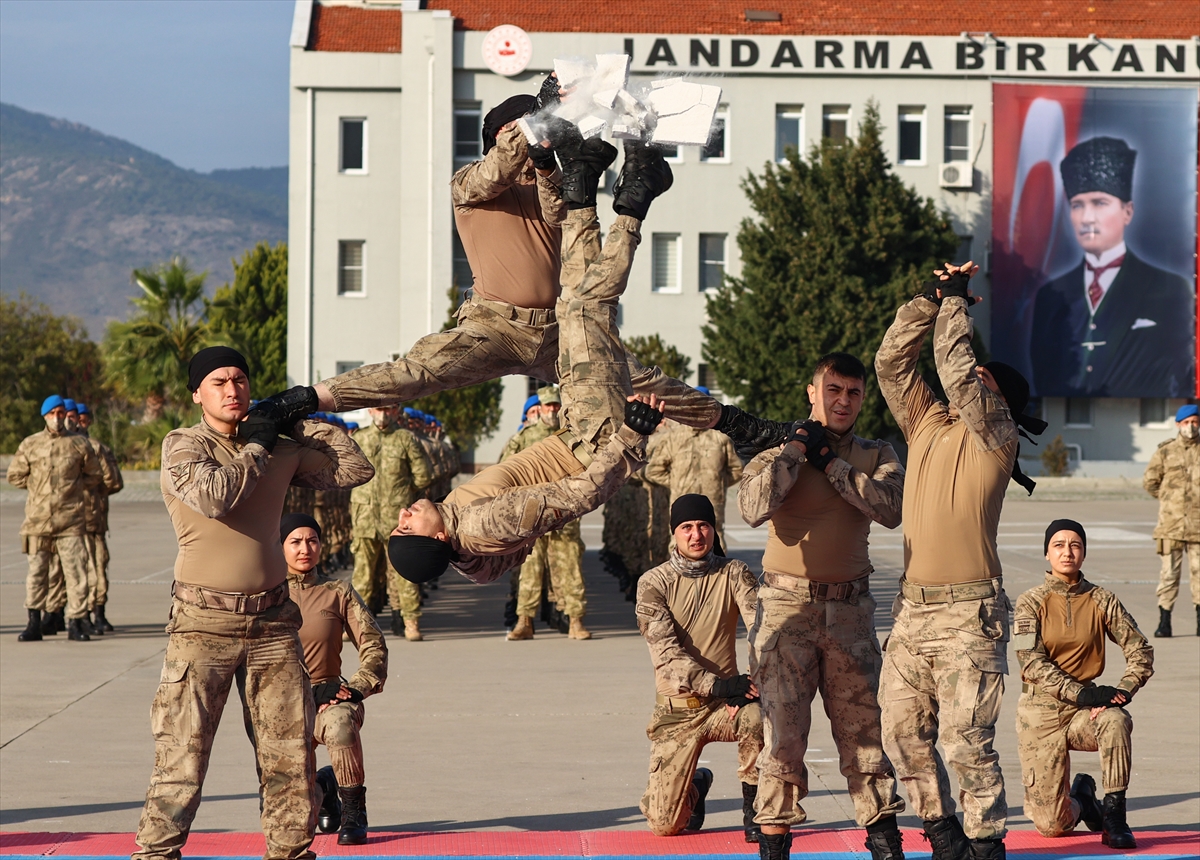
[751, 435]
[947, 840]
[75, 631]
[644, 176]
[1164, 624]
[1083, 792]
[988, 849]
[749, 795]
[329, 816]
[583, 162]
[703, 781]
[100, 622]
[52, 623]
[85, 624]
[397, 623]
[354, 815]
[775, 846]
[884, 840]
[33, 630]
[1116, 831]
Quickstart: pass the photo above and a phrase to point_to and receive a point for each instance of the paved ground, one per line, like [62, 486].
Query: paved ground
[474, 732]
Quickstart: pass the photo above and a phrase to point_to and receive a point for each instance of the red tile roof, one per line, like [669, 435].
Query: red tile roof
[346, 28]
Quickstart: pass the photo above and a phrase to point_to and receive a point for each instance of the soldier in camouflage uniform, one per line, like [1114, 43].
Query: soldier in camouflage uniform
[690, 460]
[943, 672]
[1173, 477]
[224, 482]
[815, 629]
[97, 524]
[687, 611]
[559, 551]
[59, 469]
[402, 471]
[1059, 631]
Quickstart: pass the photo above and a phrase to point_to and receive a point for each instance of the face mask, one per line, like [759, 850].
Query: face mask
[381, 420]
[72, 424]
[56, 423]
[550, 419]
[1190, 432]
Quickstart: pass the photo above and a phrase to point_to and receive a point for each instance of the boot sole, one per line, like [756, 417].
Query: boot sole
[1105, 840]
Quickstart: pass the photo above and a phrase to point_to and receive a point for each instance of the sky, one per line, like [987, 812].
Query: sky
[203, 83]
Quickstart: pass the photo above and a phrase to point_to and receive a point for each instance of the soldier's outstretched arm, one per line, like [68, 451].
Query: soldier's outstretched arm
[1036, 666]
[1120, 627]
[669, 657]
[983, 411]
[500, 168]
[330, 459]
[766, 482]
[200, 482]
[908, 396]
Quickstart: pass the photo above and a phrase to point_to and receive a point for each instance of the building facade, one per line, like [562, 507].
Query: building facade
[387, 100]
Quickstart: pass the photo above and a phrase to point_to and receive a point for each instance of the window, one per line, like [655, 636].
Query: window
[1079, 412]
[963, 254]
[347, 366]
[672, 154]
[705, 378]
[354, 145]
[533, 384]
[958, 134]
[789, 130]
[717, 148]
[712, 261]
[912, 136]
[835, 122]
[665, 254]
[468, 134]
[352, 268]
[1153, 410]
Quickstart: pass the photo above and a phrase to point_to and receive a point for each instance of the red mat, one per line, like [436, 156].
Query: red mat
[603, 843]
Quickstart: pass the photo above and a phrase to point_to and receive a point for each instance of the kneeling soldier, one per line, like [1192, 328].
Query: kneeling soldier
[1059, 631]
[687, 610]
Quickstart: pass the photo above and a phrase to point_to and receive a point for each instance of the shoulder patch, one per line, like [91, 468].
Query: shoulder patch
[1022, 626]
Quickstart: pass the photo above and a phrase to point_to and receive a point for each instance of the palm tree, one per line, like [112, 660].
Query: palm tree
[148, 354]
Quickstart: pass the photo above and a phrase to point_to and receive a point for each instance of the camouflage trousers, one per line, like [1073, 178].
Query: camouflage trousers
[205, 648]
[943, 678]
[677, 737]
[562, 553]
[97, 570]
[798, 647]
[1172, 552]
[372, 569]
[1047, 731]
[58, 573]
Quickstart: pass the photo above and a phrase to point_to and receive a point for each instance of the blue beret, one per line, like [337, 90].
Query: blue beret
[409, 412]
[69, 405]
[703, 390]
[83, 409]
[1187, 411]
[52, 402]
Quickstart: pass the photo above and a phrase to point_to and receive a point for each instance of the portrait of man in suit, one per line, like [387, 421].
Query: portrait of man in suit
[1113, 326]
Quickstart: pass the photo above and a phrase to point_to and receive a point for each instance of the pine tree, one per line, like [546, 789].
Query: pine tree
[653, 351]
[250, 315]
[839, 243]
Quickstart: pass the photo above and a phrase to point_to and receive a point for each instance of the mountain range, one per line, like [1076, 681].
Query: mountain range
[79, 210]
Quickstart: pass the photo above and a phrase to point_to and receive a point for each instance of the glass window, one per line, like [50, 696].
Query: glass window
[789, 130]
[665, 247]
[1153, 411]
[712, 260]
[958, 134]
[468, 139]
[705, 378]
[670, 153]
[352, 267]
[912, 136]
[717, 148]
[835, 122]
[354, 145]
[533, 384]
[1079, 412]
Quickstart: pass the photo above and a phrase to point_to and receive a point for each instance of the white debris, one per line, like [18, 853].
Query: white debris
[612, 72]
[571, 71]
[621, 131]
[685, 112]
[665, 82]
[592, 126]
[605, 98]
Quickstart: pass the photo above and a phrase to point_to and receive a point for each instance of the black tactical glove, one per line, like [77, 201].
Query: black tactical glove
[326, 692]
[819, 457]
[542, 157]
[740, 701]
[955, 285]
[810, 434]
[730, 688]
[642, 417]
[288, 407]
[547, 96]
[929, 289]
[1100, 696]
[355, 695]
[257, 427]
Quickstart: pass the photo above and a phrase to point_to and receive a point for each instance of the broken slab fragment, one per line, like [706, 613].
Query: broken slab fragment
[572, 70]
[684, 110]
[612, 72]
[592, 126]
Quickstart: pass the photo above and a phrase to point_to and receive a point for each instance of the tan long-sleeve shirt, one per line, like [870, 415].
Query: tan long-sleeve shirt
[820, 522]
[687, 612]
[960, 459]
[509, 219]
[96, 505]
[225, 497]
[330, 607]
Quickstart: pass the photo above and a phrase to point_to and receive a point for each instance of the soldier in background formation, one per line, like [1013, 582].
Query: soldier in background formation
[96, 512]
[443, 456]
[693, 460]
[637, 527]
[330, 508]
[1059, 631]
[60, 470]
[402, 472]
[1173, 477]
[560, 551]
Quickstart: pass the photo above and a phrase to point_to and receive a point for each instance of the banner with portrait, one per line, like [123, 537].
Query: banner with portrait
[1094, 239]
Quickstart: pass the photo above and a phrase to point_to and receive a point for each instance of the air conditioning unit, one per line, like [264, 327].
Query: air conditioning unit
[956, 174]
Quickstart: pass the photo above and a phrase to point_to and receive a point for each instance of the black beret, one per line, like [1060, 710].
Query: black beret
[1060, 526]
[291, 522]
[512, 108]
[418, 558]
[213, 358]
[690, 508]
[1102, 164]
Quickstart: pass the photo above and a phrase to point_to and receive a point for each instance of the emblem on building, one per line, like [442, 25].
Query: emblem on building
[507, 50]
